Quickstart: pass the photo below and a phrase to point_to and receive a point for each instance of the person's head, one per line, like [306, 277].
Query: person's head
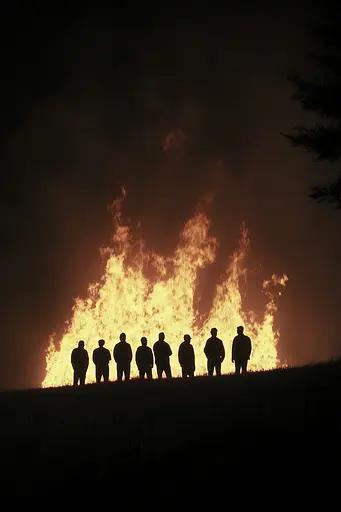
[101, 343]
[144, 341]
[161, 336]
[187, 338]
[240, 329]
[214, 332]
[81, 344]
[123, 336]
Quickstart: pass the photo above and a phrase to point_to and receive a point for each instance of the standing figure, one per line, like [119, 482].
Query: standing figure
[162, 353]
[101, 358]
[241, 350]
[144, 359]
[186, 357]
[123, 356]
[215, 353]
[80, 363]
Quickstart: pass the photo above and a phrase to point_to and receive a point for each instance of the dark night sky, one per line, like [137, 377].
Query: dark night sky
[87, 99]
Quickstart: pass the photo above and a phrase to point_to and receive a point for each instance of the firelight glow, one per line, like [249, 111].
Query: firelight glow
[126, 300]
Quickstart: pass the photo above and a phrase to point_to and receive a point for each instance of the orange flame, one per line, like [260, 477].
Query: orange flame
[126, 300]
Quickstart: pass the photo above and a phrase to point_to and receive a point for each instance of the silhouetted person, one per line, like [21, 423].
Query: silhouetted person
[144, 359]
[241, 350]
[162, 353]
[101, 358]
[186, 357]
[215, 353]
[80, 363]
[123, 356]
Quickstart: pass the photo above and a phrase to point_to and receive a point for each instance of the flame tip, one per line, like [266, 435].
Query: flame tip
[166, 298]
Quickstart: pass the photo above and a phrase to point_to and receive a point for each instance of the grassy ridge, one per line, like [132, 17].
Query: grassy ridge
[249, 432]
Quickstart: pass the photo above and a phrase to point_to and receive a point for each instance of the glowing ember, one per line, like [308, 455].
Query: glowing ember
[126, 300]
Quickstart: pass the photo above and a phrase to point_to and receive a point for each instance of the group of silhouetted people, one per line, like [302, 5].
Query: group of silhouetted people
[145, 357]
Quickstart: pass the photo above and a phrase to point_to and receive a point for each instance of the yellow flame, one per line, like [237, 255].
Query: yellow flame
[126, 300]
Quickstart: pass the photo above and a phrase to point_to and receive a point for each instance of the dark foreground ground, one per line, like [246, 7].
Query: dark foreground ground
[268, 439]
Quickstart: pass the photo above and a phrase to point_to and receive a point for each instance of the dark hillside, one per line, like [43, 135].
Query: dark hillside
[234, 438]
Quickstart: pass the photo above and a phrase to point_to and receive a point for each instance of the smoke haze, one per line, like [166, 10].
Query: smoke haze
[87, 110]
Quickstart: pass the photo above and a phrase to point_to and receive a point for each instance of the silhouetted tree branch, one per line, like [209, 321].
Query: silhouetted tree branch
[330, 193]
[324, 141]
[322, 96]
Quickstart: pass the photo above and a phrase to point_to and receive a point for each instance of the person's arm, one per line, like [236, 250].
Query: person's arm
[73, 358]
[180, 356]
[86, 360]
[233, 349]
[155, 352]
[206, 349]
[222, 352]
[249, 348]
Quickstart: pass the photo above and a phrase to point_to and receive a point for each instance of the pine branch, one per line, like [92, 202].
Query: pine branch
[329, 193]
[322, 97]
[324, 141]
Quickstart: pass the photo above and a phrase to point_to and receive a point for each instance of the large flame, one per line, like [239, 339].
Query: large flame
[129, 301]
